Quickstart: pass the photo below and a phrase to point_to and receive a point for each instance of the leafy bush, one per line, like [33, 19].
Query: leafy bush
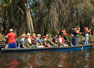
[91, 37]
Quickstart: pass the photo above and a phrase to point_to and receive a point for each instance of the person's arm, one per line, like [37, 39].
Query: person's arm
[89, 31]
[7, 36]
[78, 31]
[66, 34]
[72, 35]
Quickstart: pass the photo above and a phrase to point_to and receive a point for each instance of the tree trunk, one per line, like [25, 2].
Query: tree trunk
[29, 18]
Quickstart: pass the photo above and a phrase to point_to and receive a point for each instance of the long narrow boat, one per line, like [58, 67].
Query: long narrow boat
[70, 48]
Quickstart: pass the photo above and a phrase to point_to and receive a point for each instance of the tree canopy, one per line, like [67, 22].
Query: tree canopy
[45, 16]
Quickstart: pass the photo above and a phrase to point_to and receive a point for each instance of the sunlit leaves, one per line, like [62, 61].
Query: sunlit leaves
[6, 3]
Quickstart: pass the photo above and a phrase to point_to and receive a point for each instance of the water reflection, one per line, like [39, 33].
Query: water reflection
[64, 60]
[74, 59]
[13, 63]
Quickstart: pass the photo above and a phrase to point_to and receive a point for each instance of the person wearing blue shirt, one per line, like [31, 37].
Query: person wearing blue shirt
[22, 41]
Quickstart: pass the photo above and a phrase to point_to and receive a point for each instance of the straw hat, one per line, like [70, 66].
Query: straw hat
[28, 34]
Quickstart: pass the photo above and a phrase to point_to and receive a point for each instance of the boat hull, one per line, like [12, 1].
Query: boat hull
[70, 48]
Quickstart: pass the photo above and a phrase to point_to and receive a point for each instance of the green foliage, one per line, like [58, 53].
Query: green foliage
[73, 1]
[50, 16]
[50, 34]
[92, 1]
[19, 37]
[81, 36]
[6, 3]
[91, 36]
[91, 8]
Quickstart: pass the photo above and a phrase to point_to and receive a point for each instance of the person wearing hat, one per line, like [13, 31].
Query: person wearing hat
[11, 39]
[39, 39]
[29, 38]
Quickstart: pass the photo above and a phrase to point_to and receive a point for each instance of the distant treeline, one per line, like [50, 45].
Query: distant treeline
[45, 16]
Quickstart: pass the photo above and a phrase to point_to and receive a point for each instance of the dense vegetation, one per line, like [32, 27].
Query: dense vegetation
[45, 16]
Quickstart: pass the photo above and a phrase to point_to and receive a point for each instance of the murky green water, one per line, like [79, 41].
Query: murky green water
[72, 59]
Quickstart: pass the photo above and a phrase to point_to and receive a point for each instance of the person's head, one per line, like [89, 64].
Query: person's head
[23, 35]
[39, 35]
[56, 35]
[85, 28]
[28, 34]
[11, 30]
[47, 35]
[33, 35]
[74, 28]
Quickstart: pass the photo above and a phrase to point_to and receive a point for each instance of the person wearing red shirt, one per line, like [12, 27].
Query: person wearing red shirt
[11, 39]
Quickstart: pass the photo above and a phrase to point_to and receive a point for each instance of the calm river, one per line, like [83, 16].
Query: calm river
[71, 59]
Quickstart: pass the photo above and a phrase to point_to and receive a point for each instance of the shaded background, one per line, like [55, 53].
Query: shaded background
[45, 16]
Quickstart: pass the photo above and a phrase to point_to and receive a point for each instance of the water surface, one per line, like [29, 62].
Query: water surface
[70, 59]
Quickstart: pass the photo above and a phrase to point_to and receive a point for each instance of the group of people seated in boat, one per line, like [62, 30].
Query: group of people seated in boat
[36, 40]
